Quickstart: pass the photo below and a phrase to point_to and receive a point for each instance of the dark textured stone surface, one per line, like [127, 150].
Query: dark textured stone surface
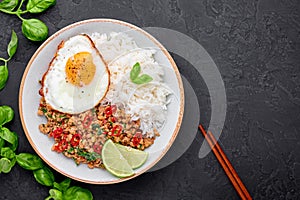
[256, 46]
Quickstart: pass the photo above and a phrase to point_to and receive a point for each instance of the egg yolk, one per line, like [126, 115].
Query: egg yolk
[80, 69]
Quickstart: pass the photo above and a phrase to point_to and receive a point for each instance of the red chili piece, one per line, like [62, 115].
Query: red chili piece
[116, 130]
[61, 146]
[137, 138]
[64, 145]
[108, 111]
[56, 133]
[113, 119]
[75, 140]
[87, 121]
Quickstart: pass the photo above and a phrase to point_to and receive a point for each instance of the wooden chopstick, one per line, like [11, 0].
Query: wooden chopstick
[226, 165]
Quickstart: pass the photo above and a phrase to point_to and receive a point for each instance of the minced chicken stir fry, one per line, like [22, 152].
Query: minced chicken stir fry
[81, 136]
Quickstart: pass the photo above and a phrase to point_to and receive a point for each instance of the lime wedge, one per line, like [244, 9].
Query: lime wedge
[134, 157]
[114, 162]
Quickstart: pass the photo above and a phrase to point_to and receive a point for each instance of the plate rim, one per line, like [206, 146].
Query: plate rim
[156, 42]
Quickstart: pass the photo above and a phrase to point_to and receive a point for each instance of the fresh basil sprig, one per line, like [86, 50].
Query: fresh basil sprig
[8, 141]
[44, 176]
[11, 50]
[134, 75]
[63, 191]
[33, 29]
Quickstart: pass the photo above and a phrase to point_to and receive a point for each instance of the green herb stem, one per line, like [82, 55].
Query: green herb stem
[8, 12]
[20, 5]
[33, 29]
[19, 15]
[4, 60]
[18, 12]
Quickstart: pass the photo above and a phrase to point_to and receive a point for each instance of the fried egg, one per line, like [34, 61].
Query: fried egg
[77, 78]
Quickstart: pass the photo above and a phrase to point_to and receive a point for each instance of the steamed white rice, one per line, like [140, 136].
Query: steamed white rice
[147, 102]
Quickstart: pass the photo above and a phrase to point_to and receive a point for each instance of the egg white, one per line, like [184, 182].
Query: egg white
[62, 95]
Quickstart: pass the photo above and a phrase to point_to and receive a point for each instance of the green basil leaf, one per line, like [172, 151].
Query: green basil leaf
[29, 161]
[5, 165]
[56, 186]
[34, 29]
[3, 76]
[10, 137]
[2, 142]
[13, 161]
[44, 176]
[77, 193]
[2, 116]
[144, 78]
[135, 71]
[6, 152]
[63, 186]
[55, 194]
[13, 44]
[8, 5]
[38, 6]
[8, 113]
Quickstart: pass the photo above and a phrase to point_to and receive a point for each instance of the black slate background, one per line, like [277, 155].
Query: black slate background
[256, 46]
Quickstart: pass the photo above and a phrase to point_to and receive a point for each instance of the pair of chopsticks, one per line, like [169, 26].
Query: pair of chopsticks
[226, 165]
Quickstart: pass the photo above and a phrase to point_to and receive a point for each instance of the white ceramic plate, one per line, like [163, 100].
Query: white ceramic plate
[29, 100]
